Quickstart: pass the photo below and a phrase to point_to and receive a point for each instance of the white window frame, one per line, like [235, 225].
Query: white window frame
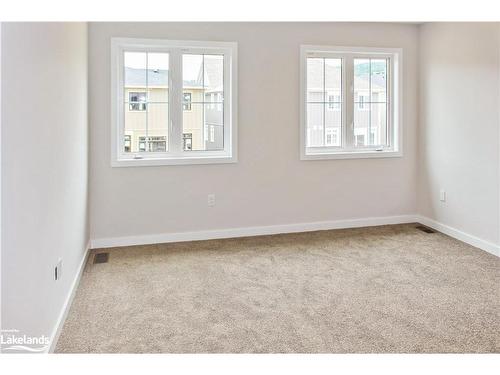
[394, 96]
[175, 154]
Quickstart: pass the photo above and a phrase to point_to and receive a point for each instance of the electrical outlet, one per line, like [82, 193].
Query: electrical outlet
[58, 270]
[211, 200]
[442, 195]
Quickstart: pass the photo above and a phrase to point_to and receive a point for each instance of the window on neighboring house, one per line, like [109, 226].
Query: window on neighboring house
[187, 139]
[128, 143]
[361, 102]
[137, 101]
[334, 102]
[372, 137]
[360, 140]
[212, 133]
[219, 101]
[186, 102]
[153, 144]
[173, 91]
[332, 138]
[351, 102]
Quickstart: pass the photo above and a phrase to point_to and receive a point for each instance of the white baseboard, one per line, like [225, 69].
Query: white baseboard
[460, 235]
[248, 231]
[67, 303]
[294, 228]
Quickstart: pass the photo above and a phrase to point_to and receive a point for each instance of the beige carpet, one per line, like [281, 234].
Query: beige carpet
[380, 289]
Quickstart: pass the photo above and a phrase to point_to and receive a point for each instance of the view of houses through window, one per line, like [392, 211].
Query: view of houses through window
[146, 117]
[146, 109]
[324, 101]
[325, 97]
[370, 99]
[203, 80]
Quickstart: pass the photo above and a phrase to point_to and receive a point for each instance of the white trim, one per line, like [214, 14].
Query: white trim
[294, 228]
[352, 155]
[175, 155]
[67, 303]
[395, 116]
[248, 231]
[460, 235]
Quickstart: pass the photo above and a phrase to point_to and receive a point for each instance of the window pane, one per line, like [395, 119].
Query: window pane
[324, 96]
[378, 128]
[203, 108]
[370, 102]
[315, 80]
[157, 75]
[315, 124]
[158, 127]
[135, 127]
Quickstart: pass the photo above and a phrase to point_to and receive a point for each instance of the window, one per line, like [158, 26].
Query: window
[332, 138]
[212, 133]
[186, 104]
[153, 144]
[350, 102]
[334, 102]
[173, 102]
[187, 141]
[137, 101]
[360, 140]
[361, 99]
[128, 143]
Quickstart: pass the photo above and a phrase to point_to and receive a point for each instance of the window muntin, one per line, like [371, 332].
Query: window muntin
[369, 113]
[206, 95]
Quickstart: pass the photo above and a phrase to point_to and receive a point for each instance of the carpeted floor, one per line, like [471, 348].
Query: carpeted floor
[379, 289]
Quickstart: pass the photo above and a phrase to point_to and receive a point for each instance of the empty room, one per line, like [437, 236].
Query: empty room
[250, 187]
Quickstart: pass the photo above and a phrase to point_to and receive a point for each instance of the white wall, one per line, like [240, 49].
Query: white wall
[269, 185]
[44, 169]
[459, 126]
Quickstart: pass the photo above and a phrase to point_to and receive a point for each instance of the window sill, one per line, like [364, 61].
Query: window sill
[151, 162]
[368, 154]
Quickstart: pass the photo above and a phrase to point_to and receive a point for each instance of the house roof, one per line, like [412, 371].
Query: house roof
[137, 77]
[213, 68]
[212, 79]
[333, 76]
